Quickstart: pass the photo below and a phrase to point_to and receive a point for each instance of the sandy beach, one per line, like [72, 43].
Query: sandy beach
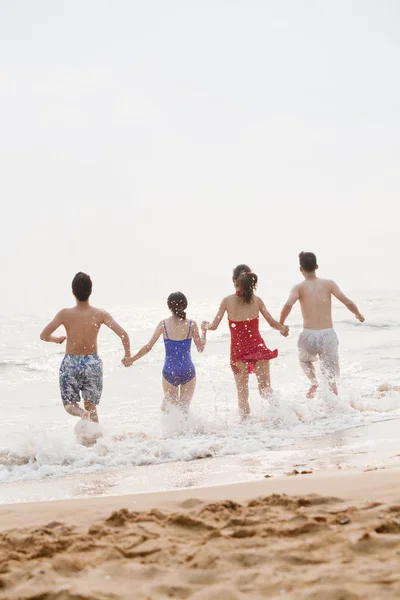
[329, 535]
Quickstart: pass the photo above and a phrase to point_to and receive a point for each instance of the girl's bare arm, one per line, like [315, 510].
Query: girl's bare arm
[283, 329]
[217, 319]
[199, 341]
[127, 362]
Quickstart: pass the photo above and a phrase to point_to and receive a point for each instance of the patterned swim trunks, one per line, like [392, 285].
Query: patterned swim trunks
[81, 375]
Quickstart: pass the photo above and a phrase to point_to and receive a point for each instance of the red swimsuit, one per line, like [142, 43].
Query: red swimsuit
[247, 345]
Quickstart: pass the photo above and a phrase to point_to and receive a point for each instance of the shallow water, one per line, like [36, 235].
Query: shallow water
[37, 439]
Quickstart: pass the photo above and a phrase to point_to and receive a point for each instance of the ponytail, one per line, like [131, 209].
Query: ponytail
[177, 303]
[247, 282]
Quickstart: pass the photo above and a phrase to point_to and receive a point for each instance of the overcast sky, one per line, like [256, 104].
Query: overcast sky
[156, 144]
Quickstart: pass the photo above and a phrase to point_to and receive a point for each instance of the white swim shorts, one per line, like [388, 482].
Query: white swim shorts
[322, 344]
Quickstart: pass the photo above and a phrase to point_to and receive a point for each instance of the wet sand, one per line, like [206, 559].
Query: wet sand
[329, 535]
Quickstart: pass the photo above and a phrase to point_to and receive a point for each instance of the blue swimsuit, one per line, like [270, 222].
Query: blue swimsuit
[178, 367]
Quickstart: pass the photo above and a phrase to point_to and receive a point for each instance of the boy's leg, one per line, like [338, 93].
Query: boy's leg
[171, 395]
[241, 374]
[186, 394]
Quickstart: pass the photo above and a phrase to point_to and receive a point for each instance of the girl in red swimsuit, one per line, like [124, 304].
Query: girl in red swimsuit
[249, 354]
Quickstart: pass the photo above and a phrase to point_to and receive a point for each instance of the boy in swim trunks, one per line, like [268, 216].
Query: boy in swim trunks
[81, 371]
[318, 338]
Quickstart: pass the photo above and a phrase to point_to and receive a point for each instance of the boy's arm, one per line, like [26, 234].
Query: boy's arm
[199, 341]
[121, 333]
[217, 320]
[46, 336]
[290, 302]
[283, 329]
[337, 292]
[128, 361]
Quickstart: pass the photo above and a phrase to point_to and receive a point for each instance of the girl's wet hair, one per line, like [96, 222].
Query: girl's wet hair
[246, 282]
[177, 303]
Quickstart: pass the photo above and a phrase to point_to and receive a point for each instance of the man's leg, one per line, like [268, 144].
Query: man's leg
[309, 371]
[69, 388]
[91, 408]
[75, 410]
[91, 384]
[242, 386]
[307, 356]
[329, 357]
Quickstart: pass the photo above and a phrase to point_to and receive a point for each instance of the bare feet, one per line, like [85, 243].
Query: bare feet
[312, 391]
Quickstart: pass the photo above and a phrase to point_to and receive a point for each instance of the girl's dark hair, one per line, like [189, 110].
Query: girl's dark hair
[240, 269]
[246, 281]
[177, 303]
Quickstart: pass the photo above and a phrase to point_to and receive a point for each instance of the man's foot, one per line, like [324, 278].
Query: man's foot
[312, 391]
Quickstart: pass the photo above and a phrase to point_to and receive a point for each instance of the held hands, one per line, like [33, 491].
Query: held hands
[204, 326]
[284, 330]
[127, 361]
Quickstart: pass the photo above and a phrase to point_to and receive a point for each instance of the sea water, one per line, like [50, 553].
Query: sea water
[39, 440]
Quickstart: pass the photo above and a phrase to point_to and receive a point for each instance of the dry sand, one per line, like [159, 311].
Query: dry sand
[329, 536]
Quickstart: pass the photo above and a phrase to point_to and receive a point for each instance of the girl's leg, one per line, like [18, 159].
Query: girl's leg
[263, 378]
[186, 395]
[242, 385]
[171, 395]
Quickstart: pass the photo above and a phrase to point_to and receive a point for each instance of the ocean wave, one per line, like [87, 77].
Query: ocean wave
[378, 324]
[47, 454]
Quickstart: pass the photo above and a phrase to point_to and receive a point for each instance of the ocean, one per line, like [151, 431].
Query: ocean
[141, 449]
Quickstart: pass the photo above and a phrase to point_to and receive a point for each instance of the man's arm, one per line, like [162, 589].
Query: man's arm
[217, 320]
[121, 333]
[290, 302]
[46, 335]
[128, 361]
[337, 292]
[283, 329]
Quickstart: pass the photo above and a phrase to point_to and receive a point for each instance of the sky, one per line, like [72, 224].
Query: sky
[157, 144]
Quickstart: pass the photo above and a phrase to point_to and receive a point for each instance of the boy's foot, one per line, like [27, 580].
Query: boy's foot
[312, 391]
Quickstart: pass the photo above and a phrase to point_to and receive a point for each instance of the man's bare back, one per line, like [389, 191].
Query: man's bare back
[315, 296]
[82, 325]
[81, 372]
[318, 339]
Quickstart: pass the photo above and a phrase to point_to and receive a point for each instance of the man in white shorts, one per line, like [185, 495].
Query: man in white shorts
[318, 338]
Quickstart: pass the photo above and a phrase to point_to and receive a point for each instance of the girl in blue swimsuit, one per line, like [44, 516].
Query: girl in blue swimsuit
[179, 374]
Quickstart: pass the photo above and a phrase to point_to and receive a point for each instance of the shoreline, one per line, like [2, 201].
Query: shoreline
[371, 445]
[356, 485]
